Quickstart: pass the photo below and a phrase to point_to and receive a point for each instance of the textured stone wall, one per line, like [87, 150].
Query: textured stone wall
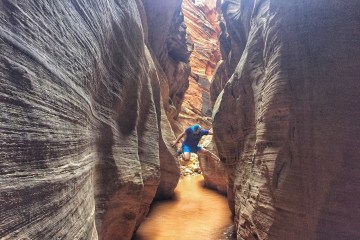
[82, 153]
[169, 43]
[286, 123]
[202, 26]
[214, 173]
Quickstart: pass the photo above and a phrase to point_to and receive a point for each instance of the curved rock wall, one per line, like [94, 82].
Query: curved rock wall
[286, 122]
[233, 37]
[80, 122]
[170, 46]
[169, 52]
[214, 173]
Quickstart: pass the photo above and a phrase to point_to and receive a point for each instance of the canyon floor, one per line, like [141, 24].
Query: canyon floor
[195, 212]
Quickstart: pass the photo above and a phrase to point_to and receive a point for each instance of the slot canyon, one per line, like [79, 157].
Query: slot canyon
[93, 93]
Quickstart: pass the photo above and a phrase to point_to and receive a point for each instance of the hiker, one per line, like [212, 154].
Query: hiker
[193, 135]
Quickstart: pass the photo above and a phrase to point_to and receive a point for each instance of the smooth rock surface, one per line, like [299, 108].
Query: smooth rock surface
[215, 175]
[79, 128]
[286, 123]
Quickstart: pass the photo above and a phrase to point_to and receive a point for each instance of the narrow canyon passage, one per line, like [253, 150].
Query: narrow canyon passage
[94, 93]
[194, 213]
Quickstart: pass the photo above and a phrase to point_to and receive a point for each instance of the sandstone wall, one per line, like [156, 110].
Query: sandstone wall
[171, 49]
[214, 173]
[202, 26]
[286, 123]
[80, 120]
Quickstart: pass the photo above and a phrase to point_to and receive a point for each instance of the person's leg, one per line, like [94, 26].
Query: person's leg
[208, 154]
[186, 156]
[186, 153]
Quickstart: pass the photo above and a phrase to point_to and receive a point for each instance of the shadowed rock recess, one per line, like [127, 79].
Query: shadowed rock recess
[287, 122]
[85, 103]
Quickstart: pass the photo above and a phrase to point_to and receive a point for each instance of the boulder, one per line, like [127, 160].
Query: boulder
[214, 173]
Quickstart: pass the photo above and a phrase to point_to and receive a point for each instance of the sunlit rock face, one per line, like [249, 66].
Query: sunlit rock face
[286, 123]
[80, 122]
[202, 22]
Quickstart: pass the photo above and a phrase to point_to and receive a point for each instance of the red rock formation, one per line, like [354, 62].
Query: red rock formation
[82, 155]
[286, 123]
[201, 18]
[202, 24]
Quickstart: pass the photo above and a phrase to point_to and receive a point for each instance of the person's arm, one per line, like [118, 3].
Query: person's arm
[210, 132]
[178, 139]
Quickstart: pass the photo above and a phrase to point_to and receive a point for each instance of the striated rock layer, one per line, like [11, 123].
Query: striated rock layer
[286, 123]
[232, 39]
[202, 21]
[83, 130]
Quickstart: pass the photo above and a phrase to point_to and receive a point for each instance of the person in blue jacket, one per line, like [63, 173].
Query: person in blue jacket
[193, 135]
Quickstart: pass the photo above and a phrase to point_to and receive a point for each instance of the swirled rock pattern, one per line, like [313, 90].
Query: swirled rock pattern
[286, 123]
[81, 109]
[233, 38]
[202, 26]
